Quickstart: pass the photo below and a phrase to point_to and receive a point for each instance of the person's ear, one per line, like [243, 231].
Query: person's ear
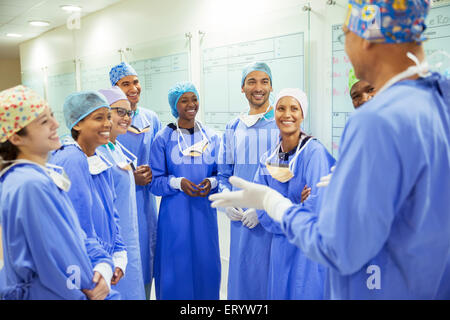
[77, 127]
[367, 45]
[16, 140]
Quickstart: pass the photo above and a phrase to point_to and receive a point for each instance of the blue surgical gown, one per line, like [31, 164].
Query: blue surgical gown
[131, 286]
[383, 227]
[46, 252]
[92, 197]
[187, 261]
[240, 151]
[292, 276]
[139, 145]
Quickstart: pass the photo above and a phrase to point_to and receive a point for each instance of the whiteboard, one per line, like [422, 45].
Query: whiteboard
[94, 70]
[34, 79]
[341, 103]
[157, 75]
[438, 34]
[61, 82]
[222, 71]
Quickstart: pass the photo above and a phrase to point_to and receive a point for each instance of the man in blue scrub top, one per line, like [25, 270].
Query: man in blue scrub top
[245, 140]
[383, 227]
[144, 126]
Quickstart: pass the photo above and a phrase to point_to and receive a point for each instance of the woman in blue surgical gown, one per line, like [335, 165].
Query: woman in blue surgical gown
[298, 160]
[131, 287]
[187, 261]
[47, 255]
[87, 115]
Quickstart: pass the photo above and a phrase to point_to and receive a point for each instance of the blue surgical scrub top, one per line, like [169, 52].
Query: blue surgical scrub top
[47, 254]
[139, 143]
[240, 151]
[383, 227]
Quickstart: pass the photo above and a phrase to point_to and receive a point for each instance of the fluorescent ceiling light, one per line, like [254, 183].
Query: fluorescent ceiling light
[38, 23]
[13, 35]
[70, 8]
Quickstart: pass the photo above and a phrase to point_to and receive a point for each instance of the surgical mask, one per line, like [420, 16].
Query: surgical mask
[282, 172]
[196, 149]
[136, 130]
[124, 160]
[60, 178]
[55, 173]
[145, 128]
[98, 164]
[251, 119]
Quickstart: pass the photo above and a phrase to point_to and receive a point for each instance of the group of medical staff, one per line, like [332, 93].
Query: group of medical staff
[79, 217]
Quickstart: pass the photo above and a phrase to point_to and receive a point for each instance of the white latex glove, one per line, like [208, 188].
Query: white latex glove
[234, 214]
[325, 181]
[250, 219]
[252, 195]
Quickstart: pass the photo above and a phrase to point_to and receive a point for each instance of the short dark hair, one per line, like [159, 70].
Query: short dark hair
[8, 151]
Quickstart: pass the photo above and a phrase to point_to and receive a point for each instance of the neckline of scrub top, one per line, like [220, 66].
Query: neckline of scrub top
[270, 114]
[174, 127]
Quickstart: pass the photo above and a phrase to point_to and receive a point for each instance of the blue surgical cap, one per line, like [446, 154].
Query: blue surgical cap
[388, 21]
[177, 91]
[79, 105]
[255, 66]
[123, 69]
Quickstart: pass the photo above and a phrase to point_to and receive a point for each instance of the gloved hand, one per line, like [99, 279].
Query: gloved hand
[252, 195]
[325, 181]
[250, 219]
[234, 214]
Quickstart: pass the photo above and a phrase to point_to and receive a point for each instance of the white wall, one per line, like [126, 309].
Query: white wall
[131, 22]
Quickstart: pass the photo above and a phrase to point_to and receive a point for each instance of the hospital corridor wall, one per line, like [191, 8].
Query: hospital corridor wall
[208, 43]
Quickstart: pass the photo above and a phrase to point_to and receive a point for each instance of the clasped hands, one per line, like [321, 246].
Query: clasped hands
[196, 190]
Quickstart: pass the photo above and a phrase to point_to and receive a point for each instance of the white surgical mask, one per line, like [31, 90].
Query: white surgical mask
[280, 172]
[251, 119]
[60, 178]
[55, 173]
[125, 160]
[98, 164]
[196, 149]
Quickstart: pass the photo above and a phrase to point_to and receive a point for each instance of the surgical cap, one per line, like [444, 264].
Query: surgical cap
[18, 107]
[255, 66]
[123, 69]
[176, 92]
[79, 105]
[113, 94]
[384, 21]
[297, 94]
[352, 79]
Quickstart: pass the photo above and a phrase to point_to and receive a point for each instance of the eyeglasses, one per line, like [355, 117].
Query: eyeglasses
[122, 112]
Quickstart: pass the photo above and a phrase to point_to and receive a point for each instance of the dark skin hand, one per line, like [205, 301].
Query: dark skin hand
[204, 188]
[118, 274]
[305, 193]
[143, 175]
[188, 187]
[194, 190]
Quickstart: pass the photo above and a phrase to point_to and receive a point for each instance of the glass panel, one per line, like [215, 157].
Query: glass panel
[61, 81]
